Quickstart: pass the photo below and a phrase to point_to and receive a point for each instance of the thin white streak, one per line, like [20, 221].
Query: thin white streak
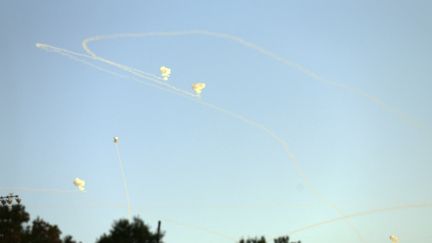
[36, 189]
[361, 214]
[125, 185]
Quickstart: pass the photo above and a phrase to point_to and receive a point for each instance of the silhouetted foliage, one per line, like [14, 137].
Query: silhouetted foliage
[14, 228]
[254, 240]
[41, 232]
[69, 239]
[125, 232]
[11, 223]
[282, 239]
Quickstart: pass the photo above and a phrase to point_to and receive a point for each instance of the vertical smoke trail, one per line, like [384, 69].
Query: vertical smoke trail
[123, 174]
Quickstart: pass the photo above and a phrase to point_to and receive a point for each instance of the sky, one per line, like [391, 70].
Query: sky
[323, 114]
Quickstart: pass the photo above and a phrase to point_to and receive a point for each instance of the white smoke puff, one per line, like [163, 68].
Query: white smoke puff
[198, 87]
[79, 183]
[394, 239]
[165, 72]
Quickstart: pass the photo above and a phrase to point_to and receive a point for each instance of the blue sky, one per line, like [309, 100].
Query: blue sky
[196, 168]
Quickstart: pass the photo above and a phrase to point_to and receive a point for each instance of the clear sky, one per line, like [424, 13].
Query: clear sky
[209, 176]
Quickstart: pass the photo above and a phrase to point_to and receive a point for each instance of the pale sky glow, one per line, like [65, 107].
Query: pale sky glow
[233, 118]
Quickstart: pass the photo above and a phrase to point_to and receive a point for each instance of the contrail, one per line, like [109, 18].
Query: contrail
[125, 185]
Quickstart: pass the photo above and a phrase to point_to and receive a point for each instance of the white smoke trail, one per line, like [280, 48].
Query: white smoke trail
[292, 158]
[125, 185]
[361, 214]
[308, 72]
[37, 189]
[135, 72]
[325, 222]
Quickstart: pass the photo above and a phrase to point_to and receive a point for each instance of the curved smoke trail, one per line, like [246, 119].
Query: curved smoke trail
[308, 72]
[251, 122]
[158, 81]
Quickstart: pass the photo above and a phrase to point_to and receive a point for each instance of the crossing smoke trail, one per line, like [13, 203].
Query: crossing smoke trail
[308, 72]
[360, 214]
[33, 189]
[236, 116]
[316, 225]
[143, 75]
[268, 131]
[77, 57]
[138, 75]
[156, 81]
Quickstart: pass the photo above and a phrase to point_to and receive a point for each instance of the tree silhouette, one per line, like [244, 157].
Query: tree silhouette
[254, 240]
[284, 239]
[281, 239]
[41, 232]
[69, 239]
[124, 231]
[13, 221]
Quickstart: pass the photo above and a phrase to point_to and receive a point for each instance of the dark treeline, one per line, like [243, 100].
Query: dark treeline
[282, 239]
[15, 227]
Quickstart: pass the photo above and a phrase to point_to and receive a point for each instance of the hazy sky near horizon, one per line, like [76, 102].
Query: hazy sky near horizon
[202, 171]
